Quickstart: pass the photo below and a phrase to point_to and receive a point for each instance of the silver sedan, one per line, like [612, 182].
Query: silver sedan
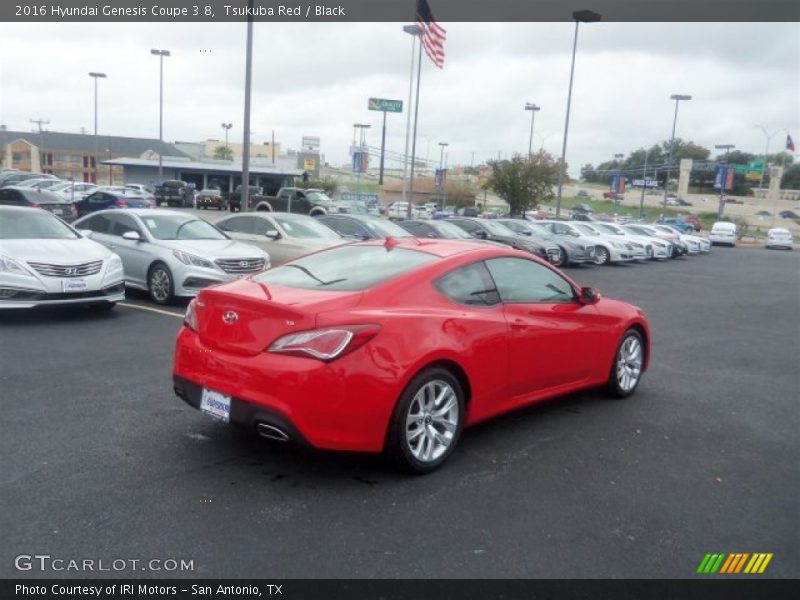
[284, 236]
[170, 253]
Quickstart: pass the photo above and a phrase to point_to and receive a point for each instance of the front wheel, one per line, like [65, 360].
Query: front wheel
[563, 258]
[427, 421]
[626, 371]
[601, 256]
[160, 285]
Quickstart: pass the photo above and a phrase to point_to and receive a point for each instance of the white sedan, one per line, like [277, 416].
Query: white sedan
[44, 261]
[171, 253]
[778, 237]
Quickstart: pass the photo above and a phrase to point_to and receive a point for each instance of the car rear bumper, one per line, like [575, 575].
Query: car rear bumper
[334, 406]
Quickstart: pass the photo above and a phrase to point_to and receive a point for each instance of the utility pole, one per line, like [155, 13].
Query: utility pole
[40, 122]
[161, 54]
[723, 179]
[96, 76]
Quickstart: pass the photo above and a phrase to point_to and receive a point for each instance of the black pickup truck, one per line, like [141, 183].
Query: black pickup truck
[175, 193]
[288, 199]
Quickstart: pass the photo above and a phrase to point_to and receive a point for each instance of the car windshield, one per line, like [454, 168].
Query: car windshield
[353, 207]
[587, 229]
[33, 225]
[179, 227]
[606, 228]
[497, 228]
[308, 227]
[346, 268]
[385, 228]
[450, 231]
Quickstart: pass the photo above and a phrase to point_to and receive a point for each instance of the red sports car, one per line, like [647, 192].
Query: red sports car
[398, 345]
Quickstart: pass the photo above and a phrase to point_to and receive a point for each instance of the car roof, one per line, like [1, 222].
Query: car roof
[7, 208]
[357, 216]
[143, 212]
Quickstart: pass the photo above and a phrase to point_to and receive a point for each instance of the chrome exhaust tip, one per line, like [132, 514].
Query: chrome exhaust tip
[271, 432]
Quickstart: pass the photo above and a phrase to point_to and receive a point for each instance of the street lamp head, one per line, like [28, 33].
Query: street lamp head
[680, 97]
[586, 16]
[412, 29]
[227, 125]
[159, 52]
[532, 106]
[96, 75]
[443, 144]
[361, 125]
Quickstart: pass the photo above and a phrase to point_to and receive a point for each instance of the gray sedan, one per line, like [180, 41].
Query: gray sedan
[284, 236]
[171, 253]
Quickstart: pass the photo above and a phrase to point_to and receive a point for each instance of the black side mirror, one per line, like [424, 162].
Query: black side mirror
[480, 234]
[589, 295]
[273, 234]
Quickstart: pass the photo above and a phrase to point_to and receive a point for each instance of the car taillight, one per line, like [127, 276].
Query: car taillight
[190, 317]
[121, 204]
[36, 205]
[325, 344]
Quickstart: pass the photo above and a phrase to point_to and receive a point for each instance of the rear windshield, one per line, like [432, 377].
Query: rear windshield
[346, 268]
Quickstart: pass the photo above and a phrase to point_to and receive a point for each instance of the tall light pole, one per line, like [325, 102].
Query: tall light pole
[769, 136]
[414, 31]
[533, 108]
[580, 16]
[677, 98]
[227, 128]
[442, 146]
[96, 76]
[617, 158]
[160, 54]
[361, 127]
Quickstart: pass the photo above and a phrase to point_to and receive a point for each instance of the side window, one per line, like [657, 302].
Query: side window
[346, 227]
[261, 226]
[237, 225]
[97, 223]
[121, 224]
[471, 285]
[467, 226]
[6, 197]
[417, 229]
[560, 229]
[98, 198]
[523, 281]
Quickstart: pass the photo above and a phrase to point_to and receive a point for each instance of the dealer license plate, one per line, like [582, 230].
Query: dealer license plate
[216, 405]
[74, 286]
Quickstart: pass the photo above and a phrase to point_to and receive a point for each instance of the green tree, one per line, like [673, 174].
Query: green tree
[791, 178]
[524, 183]
[223, 153]
[460, 192]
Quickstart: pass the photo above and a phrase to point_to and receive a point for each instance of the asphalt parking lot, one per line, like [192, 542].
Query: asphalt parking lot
[102, 461]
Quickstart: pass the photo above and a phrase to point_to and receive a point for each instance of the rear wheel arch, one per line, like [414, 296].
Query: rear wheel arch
[317, 211]
[645, 339]
[264, 207]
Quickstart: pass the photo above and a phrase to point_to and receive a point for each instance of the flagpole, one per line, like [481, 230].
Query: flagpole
[408, 117]
[414, 138]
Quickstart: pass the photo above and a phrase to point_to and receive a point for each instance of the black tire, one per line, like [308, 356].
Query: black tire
[564, 258]
[398, 447]
[155, 293]
[601, 255]
[613, 386]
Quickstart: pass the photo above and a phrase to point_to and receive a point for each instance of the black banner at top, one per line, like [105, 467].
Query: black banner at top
[335, 11]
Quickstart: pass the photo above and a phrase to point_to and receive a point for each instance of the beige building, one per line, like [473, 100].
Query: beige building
[71, 155]
[264, 150]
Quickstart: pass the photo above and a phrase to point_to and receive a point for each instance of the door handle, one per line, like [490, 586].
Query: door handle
[111, 246]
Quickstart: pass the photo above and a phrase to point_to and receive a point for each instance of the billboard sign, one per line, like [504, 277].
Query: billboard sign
[723, 177]
[310, 142]
[360, 162]
[440, 178]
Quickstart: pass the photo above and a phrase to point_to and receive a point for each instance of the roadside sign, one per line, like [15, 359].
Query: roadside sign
[440, 178]
[385, 105]
[309, 164]
[360, 162]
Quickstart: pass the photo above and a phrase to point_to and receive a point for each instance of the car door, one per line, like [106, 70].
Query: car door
[551, 334]
[471, 228]
[135, 254]
[280, 250]
[100, 226]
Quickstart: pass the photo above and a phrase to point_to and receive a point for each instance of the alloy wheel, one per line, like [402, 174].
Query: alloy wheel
[629, 363]
[160, 285]
[432, 421]
[601, 256]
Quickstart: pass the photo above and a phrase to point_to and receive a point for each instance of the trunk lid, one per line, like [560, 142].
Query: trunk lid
[245, 317]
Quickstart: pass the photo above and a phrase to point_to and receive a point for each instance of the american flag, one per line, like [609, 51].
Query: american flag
[433, 36]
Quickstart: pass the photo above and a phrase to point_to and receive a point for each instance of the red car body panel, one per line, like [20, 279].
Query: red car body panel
[507, 355]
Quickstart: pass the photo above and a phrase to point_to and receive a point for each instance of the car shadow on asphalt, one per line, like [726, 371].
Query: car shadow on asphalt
[52, 315]
[245, 453]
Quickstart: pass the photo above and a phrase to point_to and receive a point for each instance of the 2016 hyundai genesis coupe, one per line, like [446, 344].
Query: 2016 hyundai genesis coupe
[398, 345]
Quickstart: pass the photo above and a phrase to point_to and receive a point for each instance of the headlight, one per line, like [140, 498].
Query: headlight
[191, 259]
[617, 244]
[115, 262]
[9, 266]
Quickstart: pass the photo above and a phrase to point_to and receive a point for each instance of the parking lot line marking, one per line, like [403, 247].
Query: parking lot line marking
[155, 310]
